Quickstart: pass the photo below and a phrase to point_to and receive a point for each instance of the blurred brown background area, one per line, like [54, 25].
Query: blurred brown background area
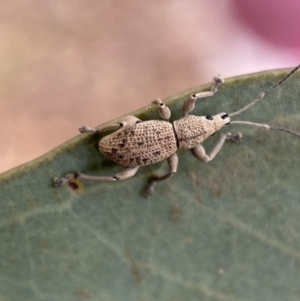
[75, 62]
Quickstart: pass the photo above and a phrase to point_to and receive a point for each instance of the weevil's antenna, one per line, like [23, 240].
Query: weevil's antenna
[262, 94]
[266, 127]
[285, 130]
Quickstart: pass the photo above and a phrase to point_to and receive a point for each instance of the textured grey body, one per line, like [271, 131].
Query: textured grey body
[144, 143]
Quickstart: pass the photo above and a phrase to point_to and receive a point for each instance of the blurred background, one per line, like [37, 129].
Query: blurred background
[65, 63]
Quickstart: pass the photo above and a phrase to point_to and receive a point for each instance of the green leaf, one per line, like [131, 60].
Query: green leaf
[227, 230]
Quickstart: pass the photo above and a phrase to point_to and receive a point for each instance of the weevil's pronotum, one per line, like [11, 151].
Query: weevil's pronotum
[136, 143]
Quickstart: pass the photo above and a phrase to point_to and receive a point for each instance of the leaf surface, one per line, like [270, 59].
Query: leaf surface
[227, 230]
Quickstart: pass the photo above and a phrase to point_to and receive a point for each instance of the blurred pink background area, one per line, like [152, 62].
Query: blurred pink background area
[67, 63]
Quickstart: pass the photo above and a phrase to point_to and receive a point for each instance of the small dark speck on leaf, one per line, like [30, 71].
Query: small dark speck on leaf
[176, 214]
[84, 294]
[73, 185]
[133, 267]
[260, 142]
[43, 243]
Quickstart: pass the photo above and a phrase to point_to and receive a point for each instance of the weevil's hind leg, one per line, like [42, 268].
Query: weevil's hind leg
[128, 172]
[163, 110]
[173, 164]
[189, 104]
[199, 151]
[86, 129]
[128, 121]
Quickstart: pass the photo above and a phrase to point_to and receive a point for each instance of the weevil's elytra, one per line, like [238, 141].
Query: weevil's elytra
[142, 144]
[137, 143]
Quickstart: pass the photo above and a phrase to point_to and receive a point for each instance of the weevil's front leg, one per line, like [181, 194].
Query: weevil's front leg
[128, 172]
[128, 121]
[189, 104]
[199, 151]
[163, 110]
[173, 164]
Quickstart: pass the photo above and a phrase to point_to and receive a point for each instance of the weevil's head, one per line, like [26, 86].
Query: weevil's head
[193, 130]
[220, 120]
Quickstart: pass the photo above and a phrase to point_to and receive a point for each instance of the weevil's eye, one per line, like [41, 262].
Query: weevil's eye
[224, 116]
[209, 117]
[194, 96]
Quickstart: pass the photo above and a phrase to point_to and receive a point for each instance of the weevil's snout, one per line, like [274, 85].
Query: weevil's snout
[220, 120]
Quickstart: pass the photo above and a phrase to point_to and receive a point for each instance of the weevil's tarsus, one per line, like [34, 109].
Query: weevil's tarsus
[237, 138]
[189, 104]
[218, 80]
[58, 182]
[86, 129]
[262, 94]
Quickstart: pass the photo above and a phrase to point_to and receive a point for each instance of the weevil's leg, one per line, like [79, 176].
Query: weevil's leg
[163, 110]
[199, 151]
[86, 129]
[128, 121]
[189, 104]
[173, 163]
[128, 172]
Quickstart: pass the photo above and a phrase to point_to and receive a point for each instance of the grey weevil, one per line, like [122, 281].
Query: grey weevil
[136, 143]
